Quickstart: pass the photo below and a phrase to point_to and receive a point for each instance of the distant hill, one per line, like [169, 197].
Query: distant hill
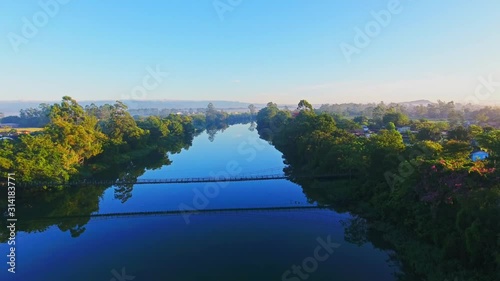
[416, 103]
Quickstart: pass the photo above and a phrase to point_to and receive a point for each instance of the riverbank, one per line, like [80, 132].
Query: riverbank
[431, 193]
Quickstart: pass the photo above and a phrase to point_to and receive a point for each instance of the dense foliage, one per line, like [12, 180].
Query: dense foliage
[97, 143]
[446, 205]
[101, 143]
[79, 142]
[376, 115]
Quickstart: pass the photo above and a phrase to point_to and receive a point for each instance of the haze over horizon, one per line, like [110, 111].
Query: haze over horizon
[27, 101]
[249, 51]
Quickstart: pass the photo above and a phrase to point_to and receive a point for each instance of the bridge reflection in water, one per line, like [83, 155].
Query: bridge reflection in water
[183, 212]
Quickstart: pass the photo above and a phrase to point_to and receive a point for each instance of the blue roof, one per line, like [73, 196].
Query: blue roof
[480, 155]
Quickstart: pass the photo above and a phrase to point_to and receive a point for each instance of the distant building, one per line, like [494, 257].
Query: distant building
[479, 155]
[404, 129]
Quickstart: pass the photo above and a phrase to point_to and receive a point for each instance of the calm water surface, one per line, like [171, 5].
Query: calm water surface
[255, 245]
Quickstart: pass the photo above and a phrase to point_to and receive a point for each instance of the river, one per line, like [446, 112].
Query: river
[299, 244]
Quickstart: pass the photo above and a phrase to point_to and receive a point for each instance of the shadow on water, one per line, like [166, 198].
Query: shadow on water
[419, 257]
[73, 205]
[416, 259]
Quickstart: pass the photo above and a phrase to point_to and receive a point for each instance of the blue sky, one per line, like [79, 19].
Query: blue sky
[255, 51]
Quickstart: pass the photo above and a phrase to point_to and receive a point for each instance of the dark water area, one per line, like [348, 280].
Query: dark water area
[299, 244]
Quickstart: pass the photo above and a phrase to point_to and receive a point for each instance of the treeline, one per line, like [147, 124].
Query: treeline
[128, 148]
[79, 141]
[213, 118]
[70, 208]
[420, 129]
[446, 111]
[441, 110]
[430, 189]
[30, 117]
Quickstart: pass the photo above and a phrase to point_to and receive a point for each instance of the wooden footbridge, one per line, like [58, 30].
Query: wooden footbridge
[181, 180]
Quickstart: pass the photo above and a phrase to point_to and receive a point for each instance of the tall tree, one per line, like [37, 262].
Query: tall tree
[304, 105]
[397, 118]
[40, 158]
[121, 128]
[72, 128]
[491, 142]
[252, 109]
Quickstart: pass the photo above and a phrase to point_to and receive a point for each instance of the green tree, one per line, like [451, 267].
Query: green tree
[378, 114]
[304, 105]
[457, 150]
[252, 109]
[265, 115]
[475, 130]
[157, 127]
[361, 120]
[211, 113]
[72, 128]
[429, 131]
[39, 158]
[121, 128]
[390, 126]
[214, 119]
[426, 149]
[455, 118]
[399, 119]
[491, 142]
[6, 155]
[390, 140]
[460, 134]
[382, 152]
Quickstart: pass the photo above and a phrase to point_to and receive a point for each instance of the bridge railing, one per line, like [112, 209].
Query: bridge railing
[180, 180]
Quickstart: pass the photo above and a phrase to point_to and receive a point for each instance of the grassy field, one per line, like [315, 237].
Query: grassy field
[31, 130]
